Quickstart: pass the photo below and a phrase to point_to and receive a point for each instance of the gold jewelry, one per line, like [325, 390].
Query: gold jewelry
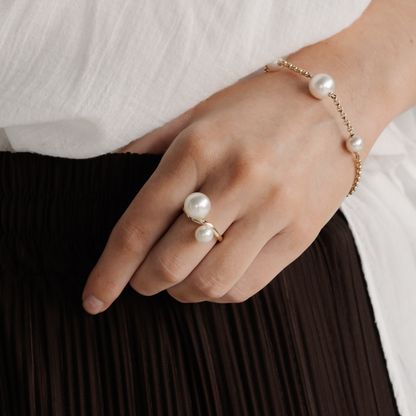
[197, 206]
[320, 86]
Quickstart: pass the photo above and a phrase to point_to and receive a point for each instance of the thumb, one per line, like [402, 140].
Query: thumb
[157, 141]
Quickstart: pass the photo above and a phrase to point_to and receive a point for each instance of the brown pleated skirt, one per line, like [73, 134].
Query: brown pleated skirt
[307, 344]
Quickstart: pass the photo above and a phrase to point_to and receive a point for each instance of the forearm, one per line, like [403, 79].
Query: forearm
[373, 64]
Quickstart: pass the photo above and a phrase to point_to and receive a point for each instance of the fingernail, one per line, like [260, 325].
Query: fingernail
[92, 305]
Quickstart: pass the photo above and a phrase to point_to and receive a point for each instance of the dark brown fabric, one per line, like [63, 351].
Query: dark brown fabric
[305, 345]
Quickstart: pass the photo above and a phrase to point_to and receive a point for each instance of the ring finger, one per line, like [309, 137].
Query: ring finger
[178, 252]
[179, 263]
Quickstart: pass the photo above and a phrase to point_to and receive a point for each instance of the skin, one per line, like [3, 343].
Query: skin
[272, 160]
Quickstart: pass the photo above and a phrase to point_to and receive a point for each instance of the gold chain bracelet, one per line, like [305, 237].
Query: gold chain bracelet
[320, 86]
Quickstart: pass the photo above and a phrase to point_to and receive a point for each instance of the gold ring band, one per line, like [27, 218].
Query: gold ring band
[203, 222]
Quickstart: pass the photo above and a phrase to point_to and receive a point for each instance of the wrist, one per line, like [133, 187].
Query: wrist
[373, 89]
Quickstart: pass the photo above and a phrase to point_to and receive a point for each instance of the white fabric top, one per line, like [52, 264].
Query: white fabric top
[83, 78]
[382, 217]
[80, 79]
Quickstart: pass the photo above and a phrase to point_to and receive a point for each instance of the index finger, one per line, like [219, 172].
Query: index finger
[149, 215]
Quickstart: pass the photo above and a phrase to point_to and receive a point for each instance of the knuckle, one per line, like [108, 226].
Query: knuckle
[252, 166]
[304, 233]
[170, 267]
[129, 236]
[235, 295]
[273, 199]
[179, 296]
[196, 142]
[246, 165]
[196, 147]
[210, 286]
[292, 196]
[289, 199]
[307, 229]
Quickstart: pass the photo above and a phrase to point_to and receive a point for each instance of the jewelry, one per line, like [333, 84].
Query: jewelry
[196, 207]
[321, 86]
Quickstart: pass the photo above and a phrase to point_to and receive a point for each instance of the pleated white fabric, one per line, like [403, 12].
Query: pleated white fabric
[80, 79]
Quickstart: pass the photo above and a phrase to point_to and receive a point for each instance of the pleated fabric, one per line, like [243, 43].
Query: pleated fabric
[307, 344]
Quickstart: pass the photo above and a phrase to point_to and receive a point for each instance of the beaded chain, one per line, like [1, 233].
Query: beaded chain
[320, 86]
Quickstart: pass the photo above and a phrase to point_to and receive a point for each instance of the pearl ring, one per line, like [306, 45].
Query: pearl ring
[196, 207]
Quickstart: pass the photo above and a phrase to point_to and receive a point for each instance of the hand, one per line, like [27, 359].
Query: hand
[273, 162]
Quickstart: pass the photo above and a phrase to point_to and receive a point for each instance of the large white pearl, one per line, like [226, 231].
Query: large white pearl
[274, 66]
[197, 205]
[321, 85]
[204, 234]
[355, 144]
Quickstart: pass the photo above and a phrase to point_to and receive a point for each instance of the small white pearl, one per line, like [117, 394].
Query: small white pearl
[204, 234]
[355, 144]
[274, 66]
[197, 205]
[321, 85]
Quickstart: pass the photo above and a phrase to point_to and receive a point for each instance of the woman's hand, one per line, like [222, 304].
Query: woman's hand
[272, 160]
[275, 170]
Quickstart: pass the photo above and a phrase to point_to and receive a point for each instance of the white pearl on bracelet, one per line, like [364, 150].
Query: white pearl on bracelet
[274, 66]
[321, 85]
[355, 144]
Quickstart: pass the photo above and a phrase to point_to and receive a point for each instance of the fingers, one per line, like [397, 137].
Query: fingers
[150, 214]
[178, 252]
[219, 271]
[279, 252]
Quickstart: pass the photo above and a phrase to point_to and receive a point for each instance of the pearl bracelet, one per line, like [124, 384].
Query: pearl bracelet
[321, 86]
